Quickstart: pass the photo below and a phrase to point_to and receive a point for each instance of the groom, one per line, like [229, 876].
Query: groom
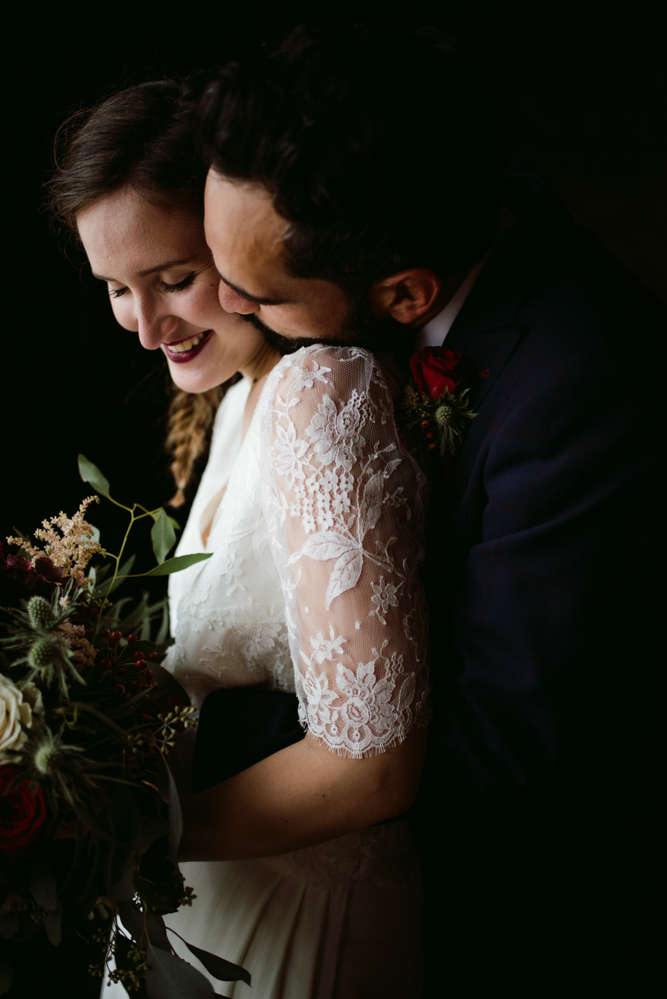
[357, 193]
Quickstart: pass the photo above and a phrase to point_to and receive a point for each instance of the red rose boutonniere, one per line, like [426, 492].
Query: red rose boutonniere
[436, 398]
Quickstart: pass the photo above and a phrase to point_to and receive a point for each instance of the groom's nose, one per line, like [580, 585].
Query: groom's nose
[232, 302]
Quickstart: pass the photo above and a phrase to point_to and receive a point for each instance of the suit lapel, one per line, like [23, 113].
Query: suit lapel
[486, 330]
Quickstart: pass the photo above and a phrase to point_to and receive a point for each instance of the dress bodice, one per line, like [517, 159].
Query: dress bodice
[223, 451]
[313, 586]
[228, 615]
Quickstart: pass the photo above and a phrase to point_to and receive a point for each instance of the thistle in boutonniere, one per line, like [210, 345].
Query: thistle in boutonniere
[435, 401]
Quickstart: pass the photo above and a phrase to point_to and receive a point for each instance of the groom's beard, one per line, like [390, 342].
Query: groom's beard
[359, 329]
[283, 344]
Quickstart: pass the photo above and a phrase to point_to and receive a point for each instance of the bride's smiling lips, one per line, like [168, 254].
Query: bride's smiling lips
[182, 351]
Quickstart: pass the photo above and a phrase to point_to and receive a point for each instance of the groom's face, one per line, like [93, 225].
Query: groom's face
[246, 236]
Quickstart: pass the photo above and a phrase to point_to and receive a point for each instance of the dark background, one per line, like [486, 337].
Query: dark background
[584, 98]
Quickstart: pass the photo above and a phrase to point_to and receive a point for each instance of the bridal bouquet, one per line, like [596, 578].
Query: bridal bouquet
[87, 719]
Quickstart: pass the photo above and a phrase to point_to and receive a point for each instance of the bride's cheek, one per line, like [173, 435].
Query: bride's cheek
[197, 308]
[124, 315]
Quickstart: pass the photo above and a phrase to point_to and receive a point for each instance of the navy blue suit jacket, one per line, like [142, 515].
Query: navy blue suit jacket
[541, 559]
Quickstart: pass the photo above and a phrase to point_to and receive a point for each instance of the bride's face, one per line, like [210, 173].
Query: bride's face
[163, 286]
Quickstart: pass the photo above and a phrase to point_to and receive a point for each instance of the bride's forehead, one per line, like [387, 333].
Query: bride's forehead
[127, 223]
[126, 211]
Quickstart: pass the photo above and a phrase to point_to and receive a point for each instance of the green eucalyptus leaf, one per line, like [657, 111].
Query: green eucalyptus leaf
[132, 919]
[91, 473]
[163, 536]
[174, 523]
[175, 816]
[126, 828]
[102, 571]
[52, 922]
[145, 631]
[124, 570]
[170, 977]
[112, 615]
[44, 890]
[152, 827]
[176, 564]
[167, 683]
[223, 970]
[136, 617]
[139, 924]
[163, 633]
[43, 886]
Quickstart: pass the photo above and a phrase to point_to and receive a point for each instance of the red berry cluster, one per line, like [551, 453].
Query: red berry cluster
[132, 675]
[428, 429]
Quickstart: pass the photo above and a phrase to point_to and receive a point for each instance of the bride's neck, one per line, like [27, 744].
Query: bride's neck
[264, 361]
[253, 396]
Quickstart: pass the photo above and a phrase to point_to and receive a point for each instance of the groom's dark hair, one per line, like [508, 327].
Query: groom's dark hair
[380, 146]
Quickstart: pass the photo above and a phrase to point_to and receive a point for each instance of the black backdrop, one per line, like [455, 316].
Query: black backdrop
[584, 101]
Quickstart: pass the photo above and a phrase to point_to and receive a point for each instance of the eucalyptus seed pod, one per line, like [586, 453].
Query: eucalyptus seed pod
[44, 652]
[41, 616]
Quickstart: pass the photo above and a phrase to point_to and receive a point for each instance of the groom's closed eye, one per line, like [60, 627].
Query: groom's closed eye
[258, 300]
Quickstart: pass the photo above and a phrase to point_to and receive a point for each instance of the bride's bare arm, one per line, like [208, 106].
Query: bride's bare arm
[303, 795]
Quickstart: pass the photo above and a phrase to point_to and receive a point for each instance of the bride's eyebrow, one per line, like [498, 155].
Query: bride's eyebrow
[149, 270]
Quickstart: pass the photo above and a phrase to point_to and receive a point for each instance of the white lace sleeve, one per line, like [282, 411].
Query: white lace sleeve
[343, 505]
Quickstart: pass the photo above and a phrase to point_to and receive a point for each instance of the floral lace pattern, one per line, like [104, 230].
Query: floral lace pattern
[383, 854]
[343, 506]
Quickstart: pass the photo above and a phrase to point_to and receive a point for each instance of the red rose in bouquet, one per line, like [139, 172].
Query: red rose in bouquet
[24, 817]
[436, 370]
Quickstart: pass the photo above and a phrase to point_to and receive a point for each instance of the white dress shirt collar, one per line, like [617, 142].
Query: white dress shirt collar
[435, 331]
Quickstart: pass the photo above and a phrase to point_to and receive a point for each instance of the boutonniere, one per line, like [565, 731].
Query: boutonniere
[435, 400]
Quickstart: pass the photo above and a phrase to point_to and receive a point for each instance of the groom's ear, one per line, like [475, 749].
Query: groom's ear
[408, 297]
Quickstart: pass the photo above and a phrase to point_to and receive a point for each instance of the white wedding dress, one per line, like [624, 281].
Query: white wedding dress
[315, 525]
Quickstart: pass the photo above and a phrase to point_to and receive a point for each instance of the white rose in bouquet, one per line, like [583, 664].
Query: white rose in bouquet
[17, 709]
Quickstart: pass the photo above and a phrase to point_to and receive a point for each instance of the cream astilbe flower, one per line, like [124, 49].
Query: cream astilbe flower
[68, 541]
[74, 637]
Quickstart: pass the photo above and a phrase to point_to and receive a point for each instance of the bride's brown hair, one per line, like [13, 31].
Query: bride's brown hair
[144, 137]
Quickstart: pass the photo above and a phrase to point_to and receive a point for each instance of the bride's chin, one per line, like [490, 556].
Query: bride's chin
[197, 381]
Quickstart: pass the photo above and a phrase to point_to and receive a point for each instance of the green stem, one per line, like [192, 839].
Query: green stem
[118, 558]
[149, 513]
[121, 505]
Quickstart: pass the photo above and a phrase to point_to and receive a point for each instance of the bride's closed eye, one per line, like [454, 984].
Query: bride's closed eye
[179, 286]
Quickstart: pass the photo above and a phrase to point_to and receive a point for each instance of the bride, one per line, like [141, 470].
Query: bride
[312, 508]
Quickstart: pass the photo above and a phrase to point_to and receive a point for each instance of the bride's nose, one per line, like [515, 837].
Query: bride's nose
[154, 325]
